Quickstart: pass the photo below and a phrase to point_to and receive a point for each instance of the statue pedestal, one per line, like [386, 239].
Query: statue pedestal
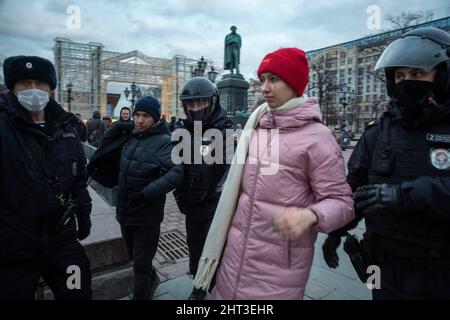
[233, 92]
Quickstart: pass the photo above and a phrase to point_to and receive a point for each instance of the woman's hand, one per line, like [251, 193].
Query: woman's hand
[294, 221]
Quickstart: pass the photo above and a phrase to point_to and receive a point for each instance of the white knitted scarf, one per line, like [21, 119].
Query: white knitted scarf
[226, 207]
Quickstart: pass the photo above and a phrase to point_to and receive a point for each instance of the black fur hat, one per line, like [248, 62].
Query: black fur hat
[19, 68]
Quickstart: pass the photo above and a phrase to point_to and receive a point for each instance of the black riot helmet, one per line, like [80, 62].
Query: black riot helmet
[423, 48]
[199, 89]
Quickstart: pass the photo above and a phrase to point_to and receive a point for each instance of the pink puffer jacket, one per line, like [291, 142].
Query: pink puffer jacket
[257, 263]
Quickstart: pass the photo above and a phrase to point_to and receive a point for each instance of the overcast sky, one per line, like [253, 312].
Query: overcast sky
[163, 28]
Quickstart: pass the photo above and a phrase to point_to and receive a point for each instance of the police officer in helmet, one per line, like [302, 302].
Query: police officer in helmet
[203, 182]
[400, 171]
[200, 98]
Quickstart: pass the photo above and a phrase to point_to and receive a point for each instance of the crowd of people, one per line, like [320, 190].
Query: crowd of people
[93, 130]
[252, 218]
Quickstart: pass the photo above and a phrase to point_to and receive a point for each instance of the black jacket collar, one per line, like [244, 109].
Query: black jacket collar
[159, 128]
[438, 114]
[55, 115]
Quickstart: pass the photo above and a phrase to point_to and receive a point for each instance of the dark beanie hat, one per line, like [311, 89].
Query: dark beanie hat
[19, 68]
[149, 105]
[290, 64]
[96, 115]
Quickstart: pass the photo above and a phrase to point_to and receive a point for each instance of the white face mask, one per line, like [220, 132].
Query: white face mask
[34, 100]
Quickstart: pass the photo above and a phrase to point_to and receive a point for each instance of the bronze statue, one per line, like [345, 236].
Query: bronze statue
[232, 51]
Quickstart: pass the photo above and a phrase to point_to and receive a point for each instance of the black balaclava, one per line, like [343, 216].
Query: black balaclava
[413, 98]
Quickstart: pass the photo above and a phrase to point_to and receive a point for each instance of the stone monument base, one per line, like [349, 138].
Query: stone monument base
[233, 92]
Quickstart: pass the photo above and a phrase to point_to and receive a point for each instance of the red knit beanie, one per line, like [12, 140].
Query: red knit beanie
[290, 64]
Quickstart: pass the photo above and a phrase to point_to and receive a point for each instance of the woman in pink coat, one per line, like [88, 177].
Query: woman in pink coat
[292, 186]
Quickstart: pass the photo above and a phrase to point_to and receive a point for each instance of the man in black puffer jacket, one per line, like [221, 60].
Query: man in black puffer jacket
[199, 195]
[30, 245]
[146, 174]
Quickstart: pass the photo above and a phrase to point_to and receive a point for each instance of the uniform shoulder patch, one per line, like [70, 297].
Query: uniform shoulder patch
[440, 158]
[69, 135]
[442, 138]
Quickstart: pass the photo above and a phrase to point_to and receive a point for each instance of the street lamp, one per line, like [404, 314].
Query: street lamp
[198, 72]
[200, 68]
[139, 93]
[212, 75]
[135, 92]
[346, 97]
[69, 88]
[202, 65]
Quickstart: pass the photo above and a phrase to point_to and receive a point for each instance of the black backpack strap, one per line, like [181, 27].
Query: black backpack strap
[70, 206]
[41, 158]
[43, 162]
[98, 124]
[385, 128]
[94, 132]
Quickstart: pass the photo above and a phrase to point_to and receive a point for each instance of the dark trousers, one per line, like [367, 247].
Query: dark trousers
[19, 279]
[141, 243]
[196, 232]
[400, 282]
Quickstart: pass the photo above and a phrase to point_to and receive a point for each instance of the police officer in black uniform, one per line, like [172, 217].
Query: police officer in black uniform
[44, 201]
[203, 181]
[400, 170]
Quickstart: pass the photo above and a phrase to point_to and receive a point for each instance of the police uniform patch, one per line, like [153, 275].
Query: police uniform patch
[204, 150]
[443, 138]
[69, 135]
[440, 158]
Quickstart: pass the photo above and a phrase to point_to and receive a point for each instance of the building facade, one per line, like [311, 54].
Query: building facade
[254, 94]
[350, 93]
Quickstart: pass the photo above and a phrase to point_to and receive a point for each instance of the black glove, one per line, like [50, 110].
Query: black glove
[353, 248]
[378, 197]
[84, 226]
[136, 199]
[329, 248]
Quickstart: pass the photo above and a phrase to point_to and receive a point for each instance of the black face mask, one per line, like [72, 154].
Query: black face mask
[199, 115]
[412, 98]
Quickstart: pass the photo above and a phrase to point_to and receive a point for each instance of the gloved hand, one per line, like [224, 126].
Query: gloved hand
[378, 197]
[84, 226]
[329, 248]
[136, 199]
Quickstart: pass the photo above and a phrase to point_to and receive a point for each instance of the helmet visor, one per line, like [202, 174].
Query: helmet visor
[197, 104]
[413, 52]
[199, 109]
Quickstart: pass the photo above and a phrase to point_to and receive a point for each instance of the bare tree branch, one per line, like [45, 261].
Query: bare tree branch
[406, 19]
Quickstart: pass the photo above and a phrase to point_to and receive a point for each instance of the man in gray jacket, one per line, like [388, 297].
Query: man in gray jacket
[95, 129]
